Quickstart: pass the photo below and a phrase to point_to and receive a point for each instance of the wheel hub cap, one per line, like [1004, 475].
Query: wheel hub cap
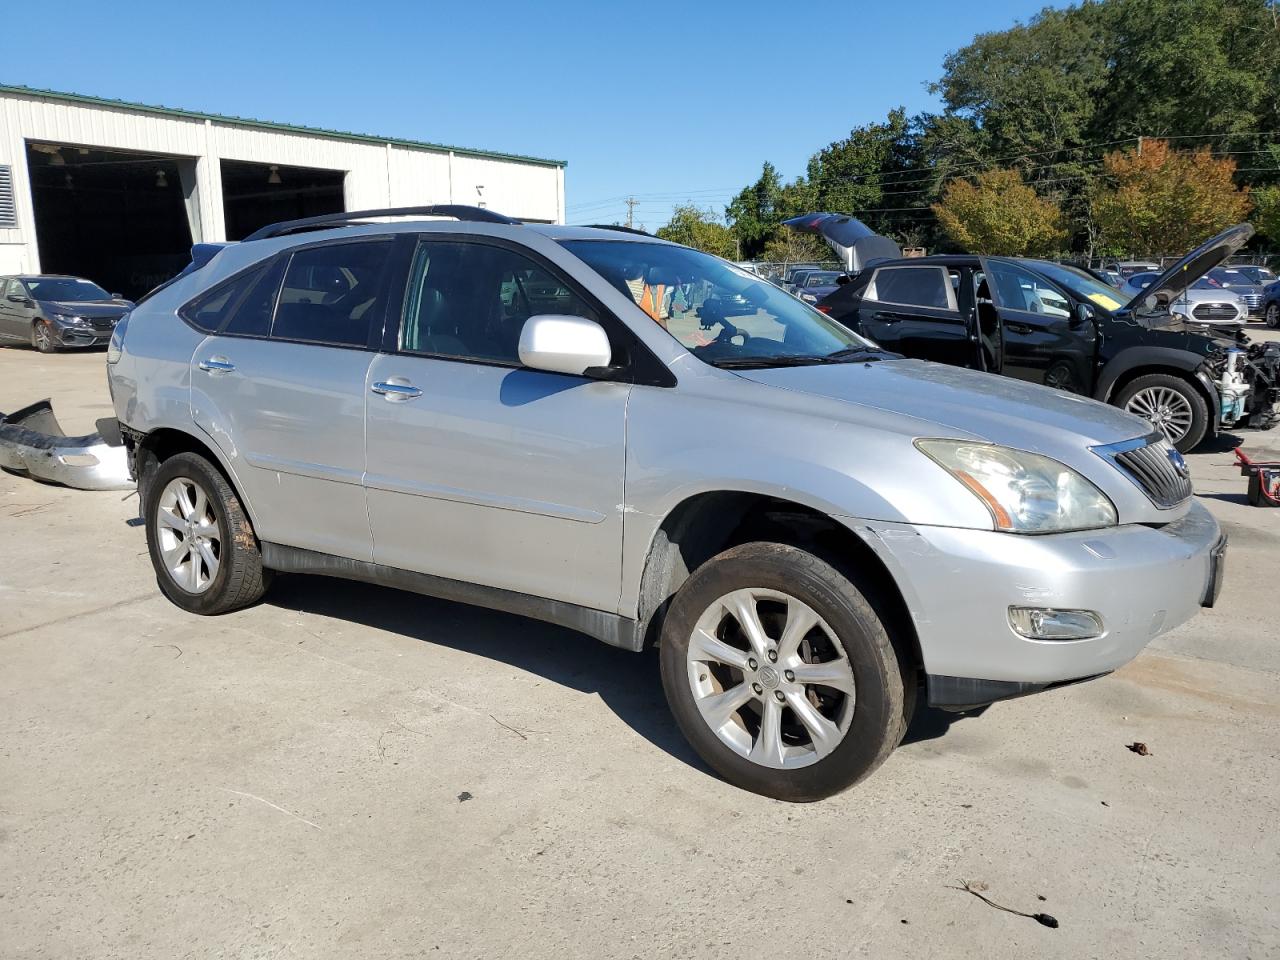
[770, 679]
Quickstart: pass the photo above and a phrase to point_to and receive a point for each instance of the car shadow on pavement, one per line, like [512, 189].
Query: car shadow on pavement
[627, 683]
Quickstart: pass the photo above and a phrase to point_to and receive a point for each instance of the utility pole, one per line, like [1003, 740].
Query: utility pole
[631, 209]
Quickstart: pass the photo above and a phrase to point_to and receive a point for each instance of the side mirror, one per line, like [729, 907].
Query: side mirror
[564, 344]
[117, 296]
[1084, 314]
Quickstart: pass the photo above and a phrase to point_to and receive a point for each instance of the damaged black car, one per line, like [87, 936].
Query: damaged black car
[1060, 326]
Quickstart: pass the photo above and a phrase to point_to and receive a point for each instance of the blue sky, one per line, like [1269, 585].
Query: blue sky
[664, 100]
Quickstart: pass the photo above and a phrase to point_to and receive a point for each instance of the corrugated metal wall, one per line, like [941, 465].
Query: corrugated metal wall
[377, 174]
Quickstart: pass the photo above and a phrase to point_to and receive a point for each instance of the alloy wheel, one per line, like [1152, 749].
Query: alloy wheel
[44, 340]
[1273, 315]
[770, 678]
[1167, 409]
[189, 534]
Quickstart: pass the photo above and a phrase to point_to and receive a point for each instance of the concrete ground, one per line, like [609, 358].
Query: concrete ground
[345, 771]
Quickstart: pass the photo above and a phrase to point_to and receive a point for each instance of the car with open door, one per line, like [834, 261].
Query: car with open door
[1058, 325]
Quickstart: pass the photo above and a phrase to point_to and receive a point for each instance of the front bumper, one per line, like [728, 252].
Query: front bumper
[81, 335]
[33, 444]
[959, 584]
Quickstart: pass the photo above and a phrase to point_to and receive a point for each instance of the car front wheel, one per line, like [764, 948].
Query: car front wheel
[1272, 316]
[780, 673]
[1172, 405]
[201, 543]
[43, 338]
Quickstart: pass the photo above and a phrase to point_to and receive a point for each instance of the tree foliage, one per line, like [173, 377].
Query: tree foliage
[1050, 97]
[700, 229]
[1165, 201]
[997, 213]
[1267, 216]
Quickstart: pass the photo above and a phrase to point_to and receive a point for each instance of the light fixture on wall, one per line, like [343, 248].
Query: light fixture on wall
[273, 178]
[57, 159]
[161, 181]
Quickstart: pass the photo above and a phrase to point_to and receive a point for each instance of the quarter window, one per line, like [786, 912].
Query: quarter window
[470, 301]
[210, 311]
[913, 287]
[332, 294]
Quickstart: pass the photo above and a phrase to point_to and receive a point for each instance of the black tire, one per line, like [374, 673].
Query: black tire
[1194, 399]
[43, 338]
[1272, 315]
[240, 579]
[880, 704]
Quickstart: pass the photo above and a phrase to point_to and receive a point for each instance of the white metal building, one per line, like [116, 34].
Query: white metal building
[117, 192]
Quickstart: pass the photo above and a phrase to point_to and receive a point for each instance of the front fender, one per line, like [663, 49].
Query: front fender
[1136, 358]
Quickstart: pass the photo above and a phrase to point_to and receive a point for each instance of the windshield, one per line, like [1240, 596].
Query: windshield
[64, 288]
[1081, 284]
[722, 314]
[825, 278]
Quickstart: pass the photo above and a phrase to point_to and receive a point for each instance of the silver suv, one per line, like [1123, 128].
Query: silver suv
[651, 446]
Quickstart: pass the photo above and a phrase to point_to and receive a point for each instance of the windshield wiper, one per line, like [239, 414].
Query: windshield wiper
[847, 355]
[853, 354]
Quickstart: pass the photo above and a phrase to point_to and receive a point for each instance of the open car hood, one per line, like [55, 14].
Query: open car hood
[857, 244]
[1171, 284]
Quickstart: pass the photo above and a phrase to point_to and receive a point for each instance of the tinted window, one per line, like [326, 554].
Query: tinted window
[332, 294]
[911, 286]
[471, 300]
[66, 288]
[251, 315]
[210, 310]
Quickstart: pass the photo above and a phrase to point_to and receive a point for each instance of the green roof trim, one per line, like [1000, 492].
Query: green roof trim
[269, 125]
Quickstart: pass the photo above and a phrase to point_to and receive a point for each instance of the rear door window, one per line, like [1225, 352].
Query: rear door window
[924, 286]
[333, 294]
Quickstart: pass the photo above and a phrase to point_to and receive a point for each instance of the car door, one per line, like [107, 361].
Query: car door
[914, 310]
[1042, 338]
[8, 309]
[479, 470]
[280, 386]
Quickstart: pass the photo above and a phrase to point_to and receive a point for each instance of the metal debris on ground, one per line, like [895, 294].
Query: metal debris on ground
[977, 886]
[33, 444]
[464, 796]
[1139, 748]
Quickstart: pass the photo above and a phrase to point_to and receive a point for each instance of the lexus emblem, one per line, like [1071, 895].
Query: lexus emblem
[1180, 464]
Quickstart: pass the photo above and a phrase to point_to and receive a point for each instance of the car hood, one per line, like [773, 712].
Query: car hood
[964, 403]
[1179, 277]
[87, 308]
[820, 291]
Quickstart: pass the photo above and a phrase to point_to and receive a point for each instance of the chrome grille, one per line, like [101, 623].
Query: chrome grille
[1252, 300]
[1214, 311]
[1155, 466]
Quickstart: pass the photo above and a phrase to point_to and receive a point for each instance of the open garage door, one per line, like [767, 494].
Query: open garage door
[119, 219]
[256, 194]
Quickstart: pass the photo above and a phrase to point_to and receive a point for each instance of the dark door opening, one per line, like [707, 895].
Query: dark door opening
[256, 194]
[116, 218]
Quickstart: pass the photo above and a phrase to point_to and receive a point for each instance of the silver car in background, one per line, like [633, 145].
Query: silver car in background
[649, 445]
[1202, 302]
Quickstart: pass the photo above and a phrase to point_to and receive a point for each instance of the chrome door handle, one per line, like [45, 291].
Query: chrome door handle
[216, 365]
[396, 392]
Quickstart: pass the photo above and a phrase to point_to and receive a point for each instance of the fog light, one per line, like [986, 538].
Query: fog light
[1045, 623]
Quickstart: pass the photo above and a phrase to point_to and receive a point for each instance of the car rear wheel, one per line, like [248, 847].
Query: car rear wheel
[1272, 315]
[201, 543]
[43, 338]
[1171, 405]
[780, 673]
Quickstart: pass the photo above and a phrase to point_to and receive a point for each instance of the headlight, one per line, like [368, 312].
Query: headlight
[1025, 492]
[70, 318]
[808, 298]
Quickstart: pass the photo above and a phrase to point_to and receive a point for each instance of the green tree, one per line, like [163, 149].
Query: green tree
[754, 214]
[790, 246]
[700, 229]
[1158, 200]
[997, 213]
[1267, 215]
